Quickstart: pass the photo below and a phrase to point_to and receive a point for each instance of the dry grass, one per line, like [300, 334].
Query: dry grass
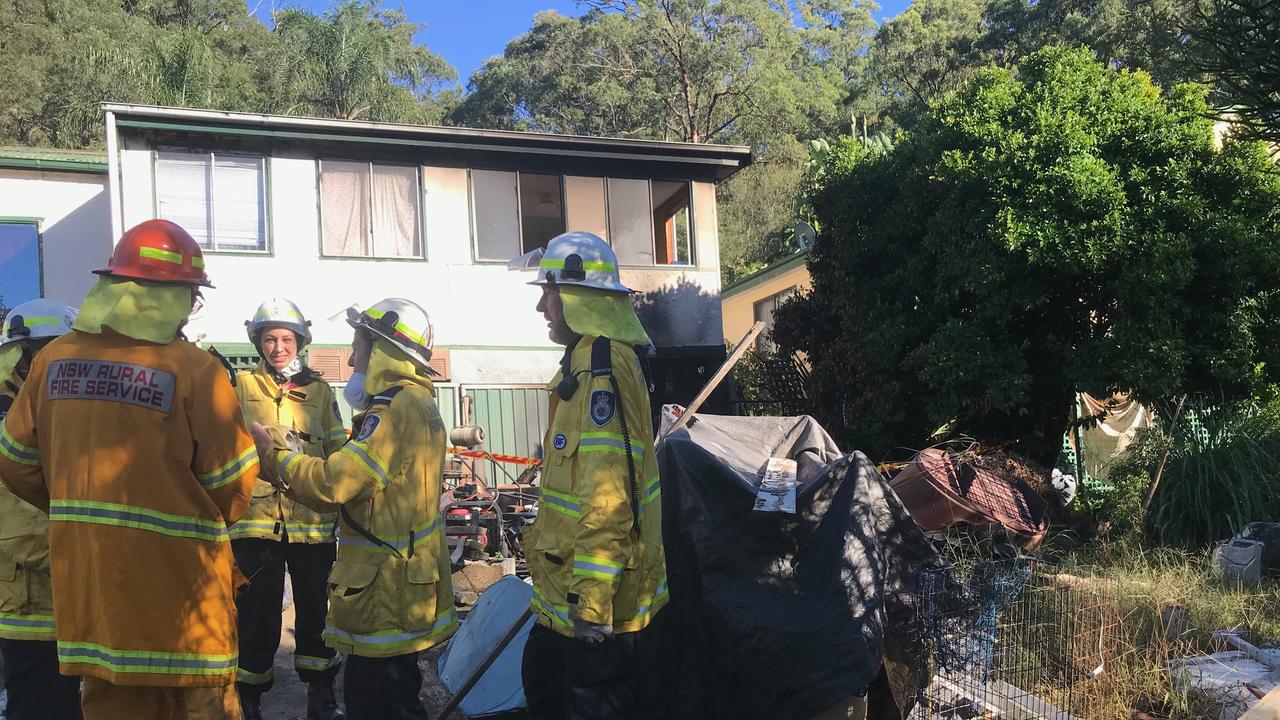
[1139, 585]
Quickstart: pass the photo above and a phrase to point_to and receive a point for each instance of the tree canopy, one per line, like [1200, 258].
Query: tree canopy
[1066, 227]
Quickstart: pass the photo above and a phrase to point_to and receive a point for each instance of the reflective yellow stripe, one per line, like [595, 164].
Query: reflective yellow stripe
[16, 451]
[600, 265]
[400, 327]
[26, 625]
[229, 472]
[561, 503]
[145, 662]
[249, 677]
[317, 664]
[386, 642]
[138, 518]
[595, 566]
[557, 614]
[375, 470]
[158, 254]
[34, 321]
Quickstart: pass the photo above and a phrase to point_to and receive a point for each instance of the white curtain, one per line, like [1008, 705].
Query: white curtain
[240, 218]
[344, 207]
[395, 212]
[182, 192]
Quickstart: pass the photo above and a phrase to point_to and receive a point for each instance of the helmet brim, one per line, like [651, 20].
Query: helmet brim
[108, 272]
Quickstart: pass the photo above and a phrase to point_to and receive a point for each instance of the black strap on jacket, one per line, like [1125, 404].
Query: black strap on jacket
[602, 366]
[383, 397]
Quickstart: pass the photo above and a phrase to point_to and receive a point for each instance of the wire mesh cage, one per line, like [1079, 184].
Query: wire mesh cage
[1006, 641]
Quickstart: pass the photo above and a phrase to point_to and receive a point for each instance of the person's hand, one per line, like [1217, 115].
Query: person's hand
[591, 634]
[261, 438]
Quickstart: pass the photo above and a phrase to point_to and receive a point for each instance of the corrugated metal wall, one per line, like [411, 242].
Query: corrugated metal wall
[514, 418]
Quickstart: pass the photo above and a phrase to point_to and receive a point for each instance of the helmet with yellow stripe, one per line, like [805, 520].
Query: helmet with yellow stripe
[40, 319]
[574, 258]
[157, 251]
[279, 313]
[401, 322]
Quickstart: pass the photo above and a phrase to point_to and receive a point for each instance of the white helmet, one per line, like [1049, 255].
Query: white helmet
[574, 258]
[279, 313]
[37, 320]
[401, 322]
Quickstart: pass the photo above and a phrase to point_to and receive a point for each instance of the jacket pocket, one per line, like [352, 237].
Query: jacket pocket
[354, 604]
[422, 578]
[555, 565]
[14, 594]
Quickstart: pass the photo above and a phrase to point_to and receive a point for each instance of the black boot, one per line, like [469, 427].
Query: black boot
[251, 706]
[321, 704]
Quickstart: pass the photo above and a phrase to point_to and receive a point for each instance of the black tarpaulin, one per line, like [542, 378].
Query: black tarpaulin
[777, 615]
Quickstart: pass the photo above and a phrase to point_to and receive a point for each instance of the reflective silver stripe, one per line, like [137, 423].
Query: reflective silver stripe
[367, 460]
[401, 543]
[319, 664]
[252, 678]
[145, 662]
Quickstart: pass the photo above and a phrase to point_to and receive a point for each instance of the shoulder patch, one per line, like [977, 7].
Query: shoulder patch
[601, 357]
[6, 402]
[370, 425]
[559, 441]
[603, 406]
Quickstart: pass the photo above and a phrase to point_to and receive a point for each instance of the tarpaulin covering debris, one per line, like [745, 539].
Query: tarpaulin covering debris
[942, 490]
[500, 689]
[785, 615]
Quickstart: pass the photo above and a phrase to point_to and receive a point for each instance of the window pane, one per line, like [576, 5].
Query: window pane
[541, 209]
[493, 194]
[239, 205]
[19, 263]
[395, 211]
[671, 222]
[344, 207]
[630, 221]
[585, 205]
[182, 192]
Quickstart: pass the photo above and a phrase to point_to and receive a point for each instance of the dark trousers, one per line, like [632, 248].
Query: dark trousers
[567, 679]
[36, 690]
[260, 605]
[384, 688]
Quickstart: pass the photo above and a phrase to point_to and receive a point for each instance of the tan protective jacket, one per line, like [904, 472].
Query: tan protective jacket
[390, 591]
[305, 404]
[140, 456]
[586, 559]
[26, 593]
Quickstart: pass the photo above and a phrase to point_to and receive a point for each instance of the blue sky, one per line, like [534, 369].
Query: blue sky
[466, 32]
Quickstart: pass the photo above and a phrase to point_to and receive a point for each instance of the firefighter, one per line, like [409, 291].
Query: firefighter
[132, 441]
[390, 593]
[595, 551]
[36, 689]
[278, 534]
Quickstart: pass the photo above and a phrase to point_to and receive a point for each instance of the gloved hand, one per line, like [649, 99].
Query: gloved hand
[270, 440]
[591, 634]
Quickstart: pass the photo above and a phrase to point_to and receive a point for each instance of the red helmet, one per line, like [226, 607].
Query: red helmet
[157, 251]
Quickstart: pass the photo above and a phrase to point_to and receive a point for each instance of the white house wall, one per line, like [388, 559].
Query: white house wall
[483, 312]
[75, 226]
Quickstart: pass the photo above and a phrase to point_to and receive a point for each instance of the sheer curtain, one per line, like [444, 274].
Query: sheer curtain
[344, 205]
[497, 217]
[395, 212]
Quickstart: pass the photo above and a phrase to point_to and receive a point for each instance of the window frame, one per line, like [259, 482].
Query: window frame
[653, 236]
[210, 156]
[38, 224]
[420, 227]
[471, 212]
[763, 342]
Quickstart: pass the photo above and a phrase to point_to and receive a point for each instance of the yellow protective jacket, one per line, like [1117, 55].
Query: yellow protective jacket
[587, 560]
[305, 404]
[390, 591]
[138, 452]
[26, 595]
